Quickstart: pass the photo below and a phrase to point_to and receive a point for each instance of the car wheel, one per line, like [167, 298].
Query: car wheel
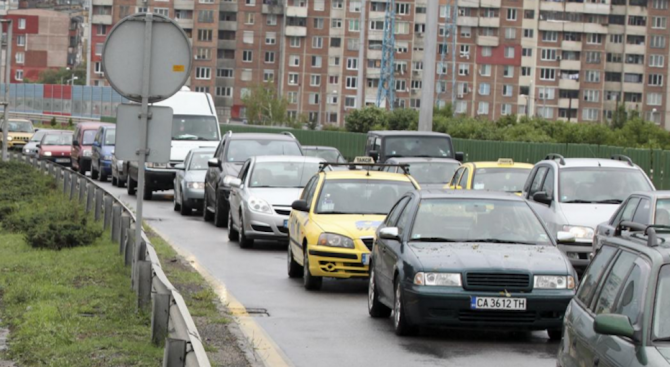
[103, 177]
[220, 211]
[403, 327]
[310, 282]
[148, 194]
[94, 173]
[245, 242]
[185, 208]
[294, 269]
[555, 334]
[175, 205]
[132, 186]
[206, 214]
[80, 167]
[376, 309]
[115, 182]
[120, 182]
[233, 235]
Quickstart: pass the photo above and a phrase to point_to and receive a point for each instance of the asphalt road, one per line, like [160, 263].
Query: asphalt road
[330, 327]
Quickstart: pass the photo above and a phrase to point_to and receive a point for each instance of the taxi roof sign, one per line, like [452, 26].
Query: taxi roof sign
[364, 160]
[506, 161]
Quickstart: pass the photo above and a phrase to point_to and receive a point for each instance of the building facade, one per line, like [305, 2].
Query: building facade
[568, 60]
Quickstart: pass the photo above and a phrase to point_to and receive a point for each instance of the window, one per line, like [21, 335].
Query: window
[656, 61]
[225, 73]
[271, 19]
[525, 71]
[484, 89]
[590, 114]
[591, 279]
[547, 74]
[351, 82]
[333, 61]
[204, 16]
[416, 84]
[612, 77]
[269, 57]
[401, 85]
[546, 93]
[22, 25]
[465, 50]
[204, 35]
[314, 98]
[294, 60]
[354, 25]
[508, 71]
[270, 38]
[463, 69]
[482, 109]
[548, 54]
[657, 41]
[549, 36]
[318, 23]
[20, 57]
[292, 97]
[338, 4]
[294, 42]
[616, 38]
[250, 18]
[334, 79]
[545, 112]
[350, 102]
[246, 75]
[98, 68]
[293, 78]
[508, 89]
[591, 95]
[203, 53]
[594, 38]
[613, 283]
[659, 22]
[316, 61]
[509, 52]
[485, 70]
[352, 63]
[655, 80]
[511, 14]
[615, 58]
[101, 29]
[317, 42]
[529, 14]
[505, 109]
[593, 76]
[335, 42]
[250, 2]
[18, 75]
[592, 57]
[319, 5]
[21, 40]
[660, 4]
[336, 23]
[510, 33]
[654, 99]
[247, 56]
[248, 37]
[466, 32]
[315, 80]
[203, 73]
[528, 33]
[224, 92]
[402, 8]
[487, 51]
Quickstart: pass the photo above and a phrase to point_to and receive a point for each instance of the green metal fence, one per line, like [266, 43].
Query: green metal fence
[654, 161]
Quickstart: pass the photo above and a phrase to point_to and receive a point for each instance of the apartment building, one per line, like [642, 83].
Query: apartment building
[569, 60]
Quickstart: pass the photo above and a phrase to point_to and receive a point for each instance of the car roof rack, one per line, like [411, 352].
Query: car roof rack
[353, 166]
[555, 156]
[623, 158]
[288, 133]
[647, 230]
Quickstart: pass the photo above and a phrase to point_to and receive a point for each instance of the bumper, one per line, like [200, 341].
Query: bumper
[578, 253]
[194, 194]
[337, 263]
[63, 161]
[30, 153]
[451, 307]
[159, 179]
[265, 226]
[16, 144]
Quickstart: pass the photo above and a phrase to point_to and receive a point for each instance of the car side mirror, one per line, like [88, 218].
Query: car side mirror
[374, 154]
[214, 163]
[180, 166]
[460, 156]
[235, 183]
[614, 324]
[300, 205]
[565, 237]
[38, 145]
[390, 233]
[542, 197]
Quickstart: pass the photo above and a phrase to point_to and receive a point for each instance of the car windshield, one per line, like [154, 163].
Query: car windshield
[662, 212]
[199, 161]
[110, 137]
[282, 174]
[661, 326]
[433, 172]
[418, 146]
[500, 179]
[241, 150]
[20, 127]
[38, 136]
[89, 137]
[478, 220]
[57, 139]
[597, 184]
[360, 196]
[202, 128]
[330, 155]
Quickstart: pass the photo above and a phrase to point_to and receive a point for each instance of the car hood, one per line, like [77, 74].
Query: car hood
[181, 148]
[195, 176]
[589, 215]
[665, 353]
[277, 196]
[490, 256]
[353, 226]
[60, 150]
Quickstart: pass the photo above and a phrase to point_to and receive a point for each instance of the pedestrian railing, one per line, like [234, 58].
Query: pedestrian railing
[171, 322]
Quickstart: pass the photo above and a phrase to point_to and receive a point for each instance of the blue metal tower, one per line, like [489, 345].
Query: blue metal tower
[386, 91]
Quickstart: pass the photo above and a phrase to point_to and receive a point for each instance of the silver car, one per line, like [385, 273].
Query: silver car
[119, 172]
[31, 149]
[189, 180]
[261, 197]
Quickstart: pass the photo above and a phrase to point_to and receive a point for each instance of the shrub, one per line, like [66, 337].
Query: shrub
[53, 122]
[70, 123]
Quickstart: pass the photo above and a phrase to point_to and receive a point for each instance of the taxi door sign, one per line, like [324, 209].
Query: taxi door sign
[364, 160]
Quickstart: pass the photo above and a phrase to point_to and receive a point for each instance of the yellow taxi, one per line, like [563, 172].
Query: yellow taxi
[503, 175]
[332, 226]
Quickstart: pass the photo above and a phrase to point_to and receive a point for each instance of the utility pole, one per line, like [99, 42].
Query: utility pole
[430, 55]
[8, 69]
[360, 93]
[89, 49]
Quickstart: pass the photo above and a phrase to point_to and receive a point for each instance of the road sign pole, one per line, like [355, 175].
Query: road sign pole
[144, 122]
[8, 70]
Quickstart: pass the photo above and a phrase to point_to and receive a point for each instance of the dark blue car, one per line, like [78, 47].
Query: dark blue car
[103, 150]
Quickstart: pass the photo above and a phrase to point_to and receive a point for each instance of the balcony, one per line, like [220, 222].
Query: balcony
[529, 4]
[637, 11]
[376, 35]
[102, 19]
[226, 63]
[469, 3]
[618, 10]
[571, 45]
[296, 31]
[633, 87]
[635, 68]
[636, 30]
[227, 44]
[223, 101]
[571, 65]
[372, 73]
[490, 41]
[226, 6]
[577, 27]
[184, 5]
[488, 4]
[103, 2]
[228, 25]
[296, 11]
[551, 6]
[185, 23]
[468, 21]
[277, 9]
[635, 49]
[489, 22]
[595, 28]
[570, 103]
[613, 86]
[574, 7]
[632, 105]
[568, 84]
[614, 67]
[550, 25]
[594, 8]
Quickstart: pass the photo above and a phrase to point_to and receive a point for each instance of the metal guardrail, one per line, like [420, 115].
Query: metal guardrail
[171, 321]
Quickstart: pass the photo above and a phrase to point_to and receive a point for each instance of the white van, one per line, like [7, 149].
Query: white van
[194, 125]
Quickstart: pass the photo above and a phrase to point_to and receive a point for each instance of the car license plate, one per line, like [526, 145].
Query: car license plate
[285, 223]
[365, 259]
[62, 160]
[497, 303]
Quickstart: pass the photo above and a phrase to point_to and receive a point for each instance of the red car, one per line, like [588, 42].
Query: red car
[55, 146]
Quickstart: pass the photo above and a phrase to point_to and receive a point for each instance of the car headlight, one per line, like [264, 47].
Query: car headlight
[156, 165]
[583, 233]
[26, 151]
[259, 205]
[195, 185]
[47, 154]
[9, 138]
[335, 240]
[107, 158]
[554, 282]
[438, 279]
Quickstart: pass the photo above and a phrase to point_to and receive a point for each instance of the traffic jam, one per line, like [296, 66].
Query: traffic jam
[571, 246]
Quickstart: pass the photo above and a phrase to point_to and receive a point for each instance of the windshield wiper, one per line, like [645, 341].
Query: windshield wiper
[434, 239]
[609, 201]
[579, 201]
[334, 212]
[495, 240]
[664, 339]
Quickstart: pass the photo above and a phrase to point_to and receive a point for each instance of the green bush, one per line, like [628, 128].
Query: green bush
[20, 184]
[53, 122]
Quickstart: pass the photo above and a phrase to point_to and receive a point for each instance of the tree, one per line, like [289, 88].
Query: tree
[62, 75]
[619, 117]
[363, 120]
[402, 119]
[53, 122]
[70, 123]
[264, 106]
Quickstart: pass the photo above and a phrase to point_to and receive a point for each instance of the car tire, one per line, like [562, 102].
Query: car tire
[175, 205]
[120, 182]
[376, 309]
[80, 167]
[245, 242]
[115, 182]
[402, 326]
[132, 186]
[294, 269]
[233, 235]
[207, 216]
[555, 334]
[148, 194]
[184, 209]
[103, 177]
[94, 173]
[220, 211]
[310, 282]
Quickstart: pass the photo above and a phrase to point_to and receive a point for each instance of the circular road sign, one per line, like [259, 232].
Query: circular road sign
[123, 57]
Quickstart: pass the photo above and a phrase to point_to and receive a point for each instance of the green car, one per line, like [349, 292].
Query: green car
[621, 313]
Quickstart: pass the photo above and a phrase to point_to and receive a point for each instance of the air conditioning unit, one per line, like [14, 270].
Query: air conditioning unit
[460, 95]
[420, 35]
[465, 56]
[469, 90]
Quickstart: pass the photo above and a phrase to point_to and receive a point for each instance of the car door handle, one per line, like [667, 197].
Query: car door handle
[596, 361]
